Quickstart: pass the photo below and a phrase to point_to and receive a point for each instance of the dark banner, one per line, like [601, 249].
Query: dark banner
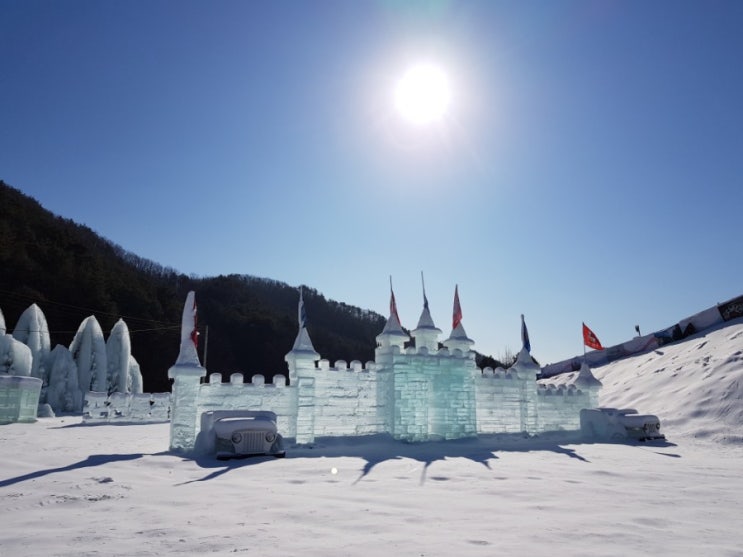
[616, 352]
[732, 308]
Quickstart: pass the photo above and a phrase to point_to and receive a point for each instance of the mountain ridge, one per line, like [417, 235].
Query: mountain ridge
[72, 272]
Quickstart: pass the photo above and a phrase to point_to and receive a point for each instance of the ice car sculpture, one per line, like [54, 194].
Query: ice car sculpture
[618, 424]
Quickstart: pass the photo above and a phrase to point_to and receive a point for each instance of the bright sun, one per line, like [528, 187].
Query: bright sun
[422, 95]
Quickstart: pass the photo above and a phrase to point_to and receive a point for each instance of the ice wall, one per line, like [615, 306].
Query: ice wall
[346, 399]
[126, 407]
[500, 399]
[434, 395]
[19, 398]
[559, 406]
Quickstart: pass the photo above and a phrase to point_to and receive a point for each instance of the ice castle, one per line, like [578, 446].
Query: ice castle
[424, 392]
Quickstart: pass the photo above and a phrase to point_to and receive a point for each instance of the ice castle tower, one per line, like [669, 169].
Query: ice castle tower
[432, 388]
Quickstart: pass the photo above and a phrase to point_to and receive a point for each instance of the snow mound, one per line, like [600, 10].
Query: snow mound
[694, 386]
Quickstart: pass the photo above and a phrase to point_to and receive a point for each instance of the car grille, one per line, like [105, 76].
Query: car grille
[250, 442]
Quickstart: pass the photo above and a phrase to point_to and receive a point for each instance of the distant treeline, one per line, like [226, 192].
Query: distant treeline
[71, 272]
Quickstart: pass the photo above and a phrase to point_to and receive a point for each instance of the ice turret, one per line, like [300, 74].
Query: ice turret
[426, 333]
[301, 363]
[525, 366]
[587, 382]
[393, 333]
[303, 353]
[586, 378]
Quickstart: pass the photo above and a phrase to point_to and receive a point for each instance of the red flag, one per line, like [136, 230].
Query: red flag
[457, 314]
[590, 339]
[195, 332]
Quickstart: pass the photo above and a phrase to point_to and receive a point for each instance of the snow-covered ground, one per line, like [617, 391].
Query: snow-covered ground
[68, 489]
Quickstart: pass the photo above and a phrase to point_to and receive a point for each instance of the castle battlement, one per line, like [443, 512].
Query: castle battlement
[342, 366]
[562, 390]
[238, 379]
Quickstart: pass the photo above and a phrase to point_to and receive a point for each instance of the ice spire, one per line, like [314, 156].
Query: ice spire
[187, 356]
[586, 377]
[302, 343]
[425, 321]
[426, 333]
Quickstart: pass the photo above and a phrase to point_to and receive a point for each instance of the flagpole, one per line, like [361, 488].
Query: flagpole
[206, 345]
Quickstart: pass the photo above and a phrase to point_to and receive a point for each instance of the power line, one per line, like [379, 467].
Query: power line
[94, 311]
[169, 328]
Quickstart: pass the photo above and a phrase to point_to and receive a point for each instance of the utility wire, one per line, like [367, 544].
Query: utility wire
[94, 311]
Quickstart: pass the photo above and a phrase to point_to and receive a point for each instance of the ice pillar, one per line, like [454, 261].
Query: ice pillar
[186, 374]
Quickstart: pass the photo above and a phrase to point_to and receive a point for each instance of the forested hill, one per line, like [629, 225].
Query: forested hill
[71, 272]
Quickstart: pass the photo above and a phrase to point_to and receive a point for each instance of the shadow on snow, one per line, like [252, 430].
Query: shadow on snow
[375, 449]
[91, 462]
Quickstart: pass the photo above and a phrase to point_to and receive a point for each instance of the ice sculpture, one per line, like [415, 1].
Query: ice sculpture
[118, 354]
[19, 393]
[15, 357]
[33, 331]
[188, 355]
[63, 393]
[135, 377]
[88, 349]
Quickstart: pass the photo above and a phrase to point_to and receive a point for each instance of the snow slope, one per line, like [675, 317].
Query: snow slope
[67, 489]
[695, 386]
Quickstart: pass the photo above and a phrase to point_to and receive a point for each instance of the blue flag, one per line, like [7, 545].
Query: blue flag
[525, 335]
[302, 313]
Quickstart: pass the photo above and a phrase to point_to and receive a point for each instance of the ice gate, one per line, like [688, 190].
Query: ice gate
[420, 393]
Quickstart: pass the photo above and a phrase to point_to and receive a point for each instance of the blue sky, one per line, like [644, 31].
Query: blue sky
[589, 167]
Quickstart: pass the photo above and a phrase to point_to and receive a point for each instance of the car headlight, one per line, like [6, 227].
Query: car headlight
[270, 437]
[237, 437]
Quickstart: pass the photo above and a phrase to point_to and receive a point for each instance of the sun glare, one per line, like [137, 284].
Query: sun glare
[422, 95]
